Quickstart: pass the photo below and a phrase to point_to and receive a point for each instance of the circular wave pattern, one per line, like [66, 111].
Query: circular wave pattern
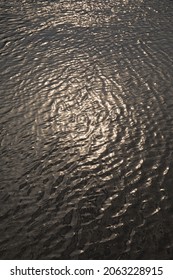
[86, 129]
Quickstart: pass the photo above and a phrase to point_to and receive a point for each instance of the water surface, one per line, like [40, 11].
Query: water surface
[86, 129]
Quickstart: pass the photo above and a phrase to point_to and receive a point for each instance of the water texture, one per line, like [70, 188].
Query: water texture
[86, 129]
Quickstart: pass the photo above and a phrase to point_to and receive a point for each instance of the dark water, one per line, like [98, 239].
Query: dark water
[86, 129]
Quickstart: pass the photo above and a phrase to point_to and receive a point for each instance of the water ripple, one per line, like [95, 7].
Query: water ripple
[86, 129]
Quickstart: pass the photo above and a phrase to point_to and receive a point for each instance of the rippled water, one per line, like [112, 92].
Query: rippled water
[86, 129]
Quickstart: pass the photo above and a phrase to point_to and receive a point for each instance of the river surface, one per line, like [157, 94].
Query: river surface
[86, 129]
